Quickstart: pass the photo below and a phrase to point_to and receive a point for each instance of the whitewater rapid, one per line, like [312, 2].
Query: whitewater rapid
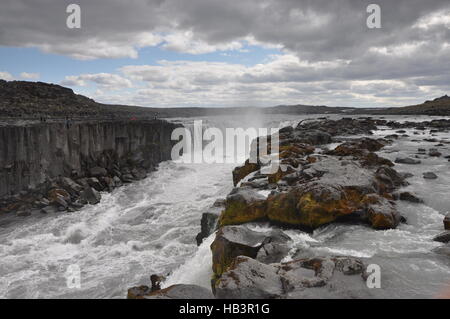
[150, 227]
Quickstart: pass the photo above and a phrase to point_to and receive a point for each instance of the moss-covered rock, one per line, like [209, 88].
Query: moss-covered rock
[233, 241]
[243, 205]
[313, 206]
[242, 171]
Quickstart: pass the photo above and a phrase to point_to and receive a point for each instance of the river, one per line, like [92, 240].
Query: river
[150, 227]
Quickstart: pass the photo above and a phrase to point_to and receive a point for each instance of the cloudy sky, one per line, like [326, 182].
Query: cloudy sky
[167, 53]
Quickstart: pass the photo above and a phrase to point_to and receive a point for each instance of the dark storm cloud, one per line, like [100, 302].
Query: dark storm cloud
[330, 38]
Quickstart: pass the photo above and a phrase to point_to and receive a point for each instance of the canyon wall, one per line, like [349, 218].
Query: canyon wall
[32, 154]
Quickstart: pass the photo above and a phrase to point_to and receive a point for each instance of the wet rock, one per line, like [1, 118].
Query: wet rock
[71, 186]
[23, 213]
[138, 292]
[60, 202]
[382, 213]
[243, 205]
[181, 292]
[108, 182]
[447, 222]
[117, 181]
[406, 175]
[95, 183]
[90, 195]
[389, 179]
[314, 137]
[304, 278]
[55, 194]
[49, 210]
[233, 241]
[407, 160]
[430, 175]
[208, 225]
[242, 171]
[434, 152]
[443, 237]
[156, 282]
[139, 173]
[127, 178]
[98, 171]
[219, 202]
[408, 197]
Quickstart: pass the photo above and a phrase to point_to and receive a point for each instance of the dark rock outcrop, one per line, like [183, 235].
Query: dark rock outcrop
[430, 175]
[233, 241]
[172, 292]
[443, 237]
[407, 160]
[208, 222]
[247, 278]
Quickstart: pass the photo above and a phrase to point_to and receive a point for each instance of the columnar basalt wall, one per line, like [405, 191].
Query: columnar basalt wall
[32, 154]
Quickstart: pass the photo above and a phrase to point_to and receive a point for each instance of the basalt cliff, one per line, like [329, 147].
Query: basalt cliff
[59, 164]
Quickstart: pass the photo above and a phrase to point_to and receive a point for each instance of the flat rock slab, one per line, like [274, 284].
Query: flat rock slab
[332, 277]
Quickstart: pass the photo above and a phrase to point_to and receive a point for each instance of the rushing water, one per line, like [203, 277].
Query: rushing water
[150, 227]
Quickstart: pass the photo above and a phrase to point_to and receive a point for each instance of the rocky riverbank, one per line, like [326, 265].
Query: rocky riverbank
[327, 175]
[55, 167]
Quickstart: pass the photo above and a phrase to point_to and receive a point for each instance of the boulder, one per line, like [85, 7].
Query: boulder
[181, 292]
[233, 241]
[23, 213]
[90, 195]
[139, 173]
[434, 152]
[98, 171]
[71, 186]
[138, 292]
[95, 183]
[408, 197]
[430, 175]
[49, 210]
[407, 160]
[447, 222]
[208, 225]
[243, 205]
[127, 178]
[57, 193]
[242, 171]
[443, 237]
[318, 277]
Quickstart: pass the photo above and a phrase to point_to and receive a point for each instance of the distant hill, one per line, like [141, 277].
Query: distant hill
[439, 106]
[34, 99]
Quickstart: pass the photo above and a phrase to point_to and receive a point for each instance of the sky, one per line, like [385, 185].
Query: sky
[215, 53]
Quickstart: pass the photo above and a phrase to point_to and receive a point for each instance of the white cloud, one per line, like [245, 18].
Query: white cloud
[185, 42]
[6, 76]
[285, 79]
[103, 80]
[30, 76]
[439, 18]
